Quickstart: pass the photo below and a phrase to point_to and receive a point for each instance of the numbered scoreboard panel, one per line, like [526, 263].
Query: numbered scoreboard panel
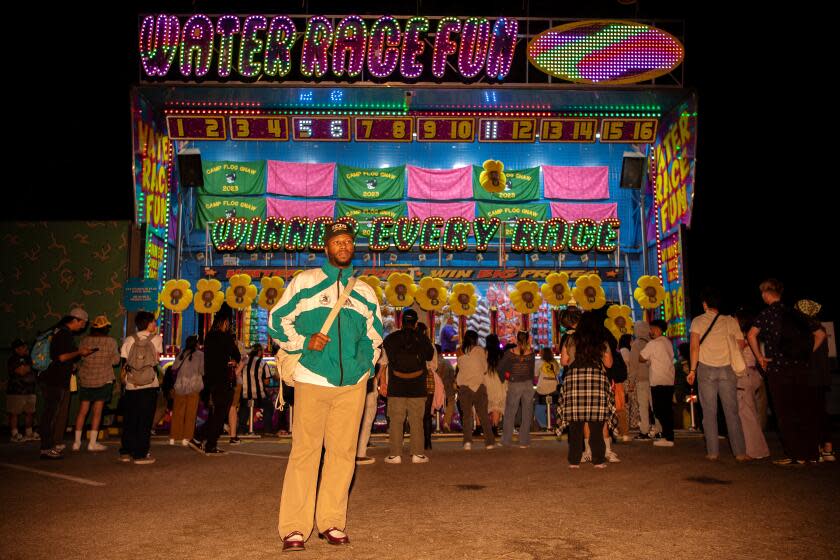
[515, 130]
[420, 128]
[259, 128]
[321, 129]
[383, 129]
[445, 129]
[192, 127]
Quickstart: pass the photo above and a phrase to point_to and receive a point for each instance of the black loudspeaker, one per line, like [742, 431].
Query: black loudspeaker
[632, 172]
[189, 165]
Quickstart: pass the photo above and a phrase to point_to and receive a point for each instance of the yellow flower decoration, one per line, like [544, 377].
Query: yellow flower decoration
[431, 294]
[526, 297]
[618, 320]
[374, 283]
[650, 294]
[588, 292]
[463, 301]
[400, 290]
[176, 295]
[241, 293]
[493, 178]
[271, 292]
[556, 290]
[208, 296]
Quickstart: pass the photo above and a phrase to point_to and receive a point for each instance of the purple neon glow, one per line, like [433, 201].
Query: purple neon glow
[413, 46]
[278, 46]
[159, 39]
[475, 41]
[316, 43]
[444, 45]
[502, 47]
[384, 47]
[350, 45]
[226, 28]
[251, 45]
[196, 42]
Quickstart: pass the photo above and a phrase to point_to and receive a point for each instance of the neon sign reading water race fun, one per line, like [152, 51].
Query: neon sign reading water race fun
[260, 47]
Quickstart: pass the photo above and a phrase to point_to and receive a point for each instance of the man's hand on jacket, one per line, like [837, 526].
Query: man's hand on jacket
[318, 341]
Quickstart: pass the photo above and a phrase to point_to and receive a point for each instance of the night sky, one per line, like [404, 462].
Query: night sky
[763, 180]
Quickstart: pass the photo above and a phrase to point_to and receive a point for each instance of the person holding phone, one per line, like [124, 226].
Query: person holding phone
[96, 380]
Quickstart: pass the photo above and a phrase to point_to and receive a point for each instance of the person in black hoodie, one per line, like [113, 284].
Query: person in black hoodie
[220, 357]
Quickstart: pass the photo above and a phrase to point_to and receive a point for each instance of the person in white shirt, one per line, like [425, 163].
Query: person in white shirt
[659, 353]
[711, 365]
[141, 352]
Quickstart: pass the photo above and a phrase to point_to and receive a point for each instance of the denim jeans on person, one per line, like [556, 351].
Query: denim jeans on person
[519, 394]
[714, 382]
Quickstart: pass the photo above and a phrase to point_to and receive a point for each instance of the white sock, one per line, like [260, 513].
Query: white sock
[93, 435]
[78, 437]
[609, 445]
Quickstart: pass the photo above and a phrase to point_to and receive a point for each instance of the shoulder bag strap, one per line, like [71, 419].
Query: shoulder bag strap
[709, 329]
[338, 305]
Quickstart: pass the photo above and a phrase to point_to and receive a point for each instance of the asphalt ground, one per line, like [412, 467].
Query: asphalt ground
[507, 503]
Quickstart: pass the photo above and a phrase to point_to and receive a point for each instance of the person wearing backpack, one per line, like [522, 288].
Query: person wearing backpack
[788, 344]
[55, 379]
[141, 352]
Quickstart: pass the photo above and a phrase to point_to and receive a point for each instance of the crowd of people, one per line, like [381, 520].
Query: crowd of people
[601, 389]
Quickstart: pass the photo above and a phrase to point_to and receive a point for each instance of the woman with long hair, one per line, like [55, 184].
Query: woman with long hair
[586, 390]
[96, 380]
[472, 366]
[189, 366]
[496, 384]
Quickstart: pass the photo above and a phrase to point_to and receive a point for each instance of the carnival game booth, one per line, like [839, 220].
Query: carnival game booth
[498, 170]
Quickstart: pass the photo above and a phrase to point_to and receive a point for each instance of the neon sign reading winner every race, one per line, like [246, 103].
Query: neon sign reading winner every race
[260, 47]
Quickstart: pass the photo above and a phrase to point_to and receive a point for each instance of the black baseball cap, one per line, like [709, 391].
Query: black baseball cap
[338, 228]
[409, 315]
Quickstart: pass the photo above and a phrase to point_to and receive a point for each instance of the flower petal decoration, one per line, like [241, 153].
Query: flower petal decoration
[463, 301]
[588, 292]
[650, 294]
[526, 297]
[241, 293]
[493, 178]
[271, 292]
[376, 284]
[556, 290]
[618, 320]
[176, 295]
[431, 294]
[208, 296]
[400, 290]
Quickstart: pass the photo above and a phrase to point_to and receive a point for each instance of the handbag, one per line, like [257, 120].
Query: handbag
[286, 363]
[736, 359]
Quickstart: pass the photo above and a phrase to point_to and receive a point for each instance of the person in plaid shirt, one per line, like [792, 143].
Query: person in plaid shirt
[586, 356]
[96, 380]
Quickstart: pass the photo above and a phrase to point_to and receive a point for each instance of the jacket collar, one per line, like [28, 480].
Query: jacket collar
[332, 272]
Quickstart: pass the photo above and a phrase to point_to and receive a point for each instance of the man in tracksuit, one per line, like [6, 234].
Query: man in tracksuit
[330, 382]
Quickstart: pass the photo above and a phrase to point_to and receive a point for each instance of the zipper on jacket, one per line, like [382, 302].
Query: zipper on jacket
[340, 365]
